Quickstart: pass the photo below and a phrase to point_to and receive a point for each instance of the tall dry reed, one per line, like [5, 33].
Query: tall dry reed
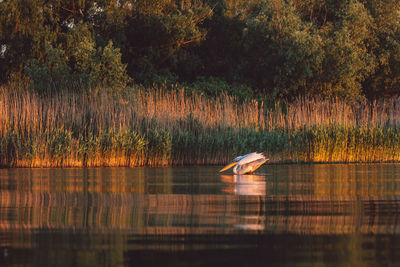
[163, 127]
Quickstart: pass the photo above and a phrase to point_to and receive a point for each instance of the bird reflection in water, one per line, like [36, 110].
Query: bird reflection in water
[247, 185]
[244, 185]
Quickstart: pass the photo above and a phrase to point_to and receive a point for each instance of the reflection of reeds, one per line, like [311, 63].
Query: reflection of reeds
[192, 214]
[164, 127]
[319, 201]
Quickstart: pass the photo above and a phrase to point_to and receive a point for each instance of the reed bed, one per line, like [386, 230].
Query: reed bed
[158, 127]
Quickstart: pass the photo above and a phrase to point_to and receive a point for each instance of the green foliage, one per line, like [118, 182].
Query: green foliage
[102, 67]
[286, 53]
[59, 144]
[132, 143]
[349, 61]
[24, 30]
[53, 74]
[90, 68]
[156, 31]
[109, 71]
[386, 48]
[214, 86]
[274, 48]
[159, 145]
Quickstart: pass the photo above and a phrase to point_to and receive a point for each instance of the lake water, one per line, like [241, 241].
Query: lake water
[282, 215]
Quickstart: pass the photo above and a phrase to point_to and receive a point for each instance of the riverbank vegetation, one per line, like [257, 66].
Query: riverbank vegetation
[168, 82]
[277, 49]
[156, 126]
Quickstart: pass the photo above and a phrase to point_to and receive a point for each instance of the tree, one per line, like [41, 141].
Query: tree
[156, 31]
[386, 30]
[284, 53]
[24, 30]
[347, 44]
[78, 64]
[283, 48]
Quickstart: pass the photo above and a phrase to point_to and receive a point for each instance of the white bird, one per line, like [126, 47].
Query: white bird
[247, 163]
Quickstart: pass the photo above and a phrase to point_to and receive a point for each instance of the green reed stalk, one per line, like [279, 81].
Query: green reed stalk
[159, 127]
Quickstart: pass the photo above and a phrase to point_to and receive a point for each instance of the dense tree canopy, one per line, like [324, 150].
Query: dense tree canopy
[279, 48]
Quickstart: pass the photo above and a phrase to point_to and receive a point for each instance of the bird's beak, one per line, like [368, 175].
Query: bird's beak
[228, 166]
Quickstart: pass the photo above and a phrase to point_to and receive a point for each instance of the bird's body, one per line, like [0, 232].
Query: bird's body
[247, 163]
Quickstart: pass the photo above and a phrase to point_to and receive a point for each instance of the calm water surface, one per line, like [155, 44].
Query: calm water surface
[283, 215]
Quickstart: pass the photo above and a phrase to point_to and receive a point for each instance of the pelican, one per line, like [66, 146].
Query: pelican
[247, 163]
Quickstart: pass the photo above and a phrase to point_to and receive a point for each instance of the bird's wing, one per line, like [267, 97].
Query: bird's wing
[250, 158]
[250, 167]
[242, 157]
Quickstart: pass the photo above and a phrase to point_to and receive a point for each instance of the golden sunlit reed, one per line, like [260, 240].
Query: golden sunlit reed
[161, 127]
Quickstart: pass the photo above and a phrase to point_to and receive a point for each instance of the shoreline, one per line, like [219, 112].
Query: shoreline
[207, 165]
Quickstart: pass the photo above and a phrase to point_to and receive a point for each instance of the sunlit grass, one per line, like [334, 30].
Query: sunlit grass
[159, 127]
